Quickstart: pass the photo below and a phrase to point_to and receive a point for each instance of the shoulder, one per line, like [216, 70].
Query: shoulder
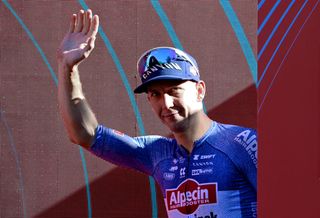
[110, 135]
[235, 141]
[153, 139]
[234, 130]
[158, 147]
[156, 142]
[233, 133]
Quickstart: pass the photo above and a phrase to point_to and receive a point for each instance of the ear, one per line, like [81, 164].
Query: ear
[201, 90]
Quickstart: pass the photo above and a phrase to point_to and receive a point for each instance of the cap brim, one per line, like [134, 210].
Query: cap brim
[143, 87]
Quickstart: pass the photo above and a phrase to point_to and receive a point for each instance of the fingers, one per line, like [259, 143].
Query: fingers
[94, 26]
[79, 24]
[73, 23]
[87, 21]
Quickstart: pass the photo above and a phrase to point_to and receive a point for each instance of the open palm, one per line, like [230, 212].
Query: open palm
[78, 43]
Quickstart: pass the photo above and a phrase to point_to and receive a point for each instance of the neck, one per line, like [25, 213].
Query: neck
[195, 129]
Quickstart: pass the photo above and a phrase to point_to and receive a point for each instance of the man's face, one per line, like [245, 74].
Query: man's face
[175, 102]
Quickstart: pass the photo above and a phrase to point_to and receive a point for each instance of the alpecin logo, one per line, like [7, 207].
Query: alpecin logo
[249, 142]
[190, 195]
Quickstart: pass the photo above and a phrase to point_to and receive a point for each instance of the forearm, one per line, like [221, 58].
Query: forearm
[79, 120]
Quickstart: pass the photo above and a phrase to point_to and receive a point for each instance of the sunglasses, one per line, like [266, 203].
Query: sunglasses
[163, 56]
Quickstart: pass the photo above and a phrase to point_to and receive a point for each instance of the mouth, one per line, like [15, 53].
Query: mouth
[169, 114]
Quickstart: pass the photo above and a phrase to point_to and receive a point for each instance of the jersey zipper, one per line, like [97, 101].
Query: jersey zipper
[187, 177]
[187, 172]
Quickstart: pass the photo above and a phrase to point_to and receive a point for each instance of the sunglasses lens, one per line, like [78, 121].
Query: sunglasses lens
[156, 57]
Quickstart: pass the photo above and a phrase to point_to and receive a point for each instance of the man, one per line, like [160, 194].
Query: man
[208, 170]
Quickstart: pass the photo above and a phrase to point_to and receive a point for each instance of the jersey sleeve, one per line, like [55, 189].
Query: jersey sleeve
[123, 150]
[241, 145]
[247, 152]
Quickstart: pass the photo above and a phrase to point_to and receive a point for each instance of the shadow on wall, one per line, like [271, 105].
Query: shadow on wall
[241, 109]
[122, 192]
[119, 193]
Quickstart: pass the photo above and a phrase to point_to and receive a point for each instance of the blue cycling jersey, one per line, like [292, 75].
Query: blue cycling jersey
[217, 180]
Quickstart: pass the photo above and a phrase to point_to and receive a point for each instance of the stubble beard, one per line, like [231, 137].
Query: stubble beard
[177, 126]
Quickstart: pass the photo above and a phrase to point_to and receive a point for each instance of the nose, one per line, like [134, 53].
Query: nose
[167, 101]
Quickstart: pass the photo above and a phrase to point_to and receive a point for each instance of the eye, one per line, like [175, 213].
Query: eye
[153, 94]
[175, 91]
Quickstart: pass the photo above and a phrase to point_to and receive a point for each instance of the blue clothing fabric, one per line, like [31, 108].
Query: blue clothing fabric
[217, 180]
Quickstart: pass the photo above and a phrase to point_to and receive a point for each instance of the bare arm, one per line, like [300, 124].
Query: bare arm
[76, 46]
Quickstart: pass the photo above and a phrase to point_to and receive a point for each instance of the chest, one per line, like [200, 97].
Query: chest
[204, 166]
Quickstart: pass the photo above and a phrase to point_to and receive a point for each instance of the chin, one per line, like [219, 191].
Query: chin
[178, 126]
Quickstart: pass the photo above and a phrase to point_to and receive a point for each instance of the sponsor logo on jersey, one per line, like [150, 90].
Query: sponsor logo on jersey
[181, 160]
[203, 157]
[189, 195]
[173, 168]
[178, 160]
[169, 176]
[202, 164]
[197, 172]
[211, 215]
[208, 156]
[254, 209]
[118, 132]
[249, 143]
[182, 172]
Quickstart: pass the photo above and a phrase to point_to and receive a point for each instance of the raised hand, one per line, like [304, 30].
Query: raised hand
[78, 43]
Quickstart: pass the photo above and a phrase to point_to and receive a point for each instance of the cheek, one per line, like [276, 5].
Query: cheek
[155, 108]
[190, 98]
[190, 101]
[186, 104]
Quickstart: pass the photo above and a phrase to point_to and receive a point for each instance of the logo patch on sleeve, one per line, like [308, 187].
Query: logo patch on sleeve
[118, 132]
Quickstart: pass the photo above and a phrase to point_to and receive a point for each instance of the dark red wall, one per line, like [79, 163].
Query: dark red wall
[288, 112]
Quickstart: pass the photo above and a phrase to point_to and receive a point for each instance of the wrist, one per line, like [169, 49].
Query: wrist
[63, 66]
[67, 67]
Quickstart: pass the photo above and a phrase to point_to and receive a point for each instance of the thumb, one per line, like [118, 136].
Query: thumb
[89, 46]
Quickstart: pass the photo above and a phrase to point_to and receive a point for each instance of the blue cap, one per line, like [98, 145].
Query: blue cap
[165, 63]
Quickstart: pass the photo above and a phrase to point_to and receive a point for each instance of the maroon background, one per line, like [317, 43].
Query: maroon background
[288, 118]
